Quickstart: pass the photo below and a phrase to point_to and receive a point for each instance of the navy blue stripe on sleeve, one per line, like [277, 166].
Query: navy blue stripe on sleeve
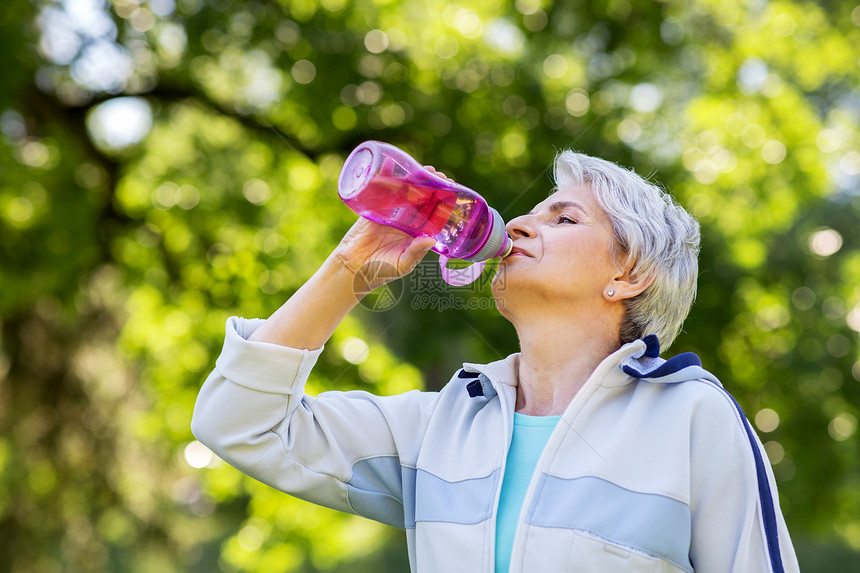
[771, 530]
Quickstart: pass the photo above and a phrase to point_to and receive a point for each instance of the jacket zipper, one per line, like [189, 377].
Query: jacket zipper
[568, 418]
[508, 424]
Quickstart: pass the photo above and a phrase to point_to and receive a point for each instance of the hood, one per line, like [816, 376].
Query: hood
[649, 367]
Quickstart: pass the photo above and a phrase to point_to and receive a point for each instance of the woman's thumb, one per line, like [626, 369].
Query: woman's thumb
[418, 248]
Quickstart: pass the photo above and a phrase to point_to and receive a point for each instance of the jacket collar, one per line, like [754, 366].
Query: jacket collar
[637, 360]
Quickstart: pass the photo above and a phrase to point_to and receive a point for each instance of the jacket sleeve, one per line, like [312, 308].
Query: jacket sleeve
[350, 451]
[737, 522]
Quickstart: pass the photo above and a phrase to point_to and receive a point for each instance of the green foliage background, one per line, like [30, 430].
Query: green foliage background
[124, 245]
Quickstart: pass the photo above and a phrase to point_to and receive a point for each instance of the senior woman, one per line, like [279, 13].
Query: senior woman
[585, 451]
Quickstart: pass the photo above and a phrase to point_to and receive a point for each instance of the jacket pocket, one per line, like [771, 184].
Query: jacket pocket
[576, 551]
[592, 554]
[634, 524]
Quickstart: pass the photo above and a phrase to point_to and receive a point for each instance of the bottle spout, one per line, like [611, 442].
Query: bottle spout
[468, 275]
[509, 246]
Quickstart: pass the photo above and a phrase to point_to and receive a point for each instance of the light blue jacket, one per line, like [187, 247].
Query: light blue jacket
[652, 468]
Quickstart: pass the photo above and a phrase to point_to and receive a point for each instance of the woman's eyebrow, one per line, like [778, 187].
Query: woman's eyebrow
[557, 206]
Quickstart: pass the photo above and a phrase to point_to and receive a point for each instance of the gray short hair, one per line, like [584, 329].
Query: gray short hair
[654, 236]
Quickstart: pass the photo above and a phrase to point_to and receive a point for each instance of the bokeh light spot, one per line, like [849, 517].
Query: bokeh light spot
[646, 97]
[304, 71]
[256, 191]
[250, 538]
[825, 242]
[446, 46]
[853, 318]
[354, 350]
[767, 420]
[555, 66]
[376, 41]
[850, 163]
[513, 145]
[783, 25]
[577, 102]
[842, 427]
[120, 122]
[775, 452]
[803, 298]
[773, 152]
[197, 455]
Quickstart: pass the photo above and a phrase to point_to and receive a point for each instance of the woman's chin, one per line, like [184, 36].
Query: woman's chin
[508, 276]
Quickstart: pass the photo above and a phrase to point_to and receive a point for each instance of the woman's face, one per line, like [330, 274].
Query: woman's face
[562, 252]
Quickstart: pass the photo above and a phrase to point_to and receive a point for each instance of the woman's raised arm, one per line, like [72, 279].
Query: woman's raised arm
[367, 257]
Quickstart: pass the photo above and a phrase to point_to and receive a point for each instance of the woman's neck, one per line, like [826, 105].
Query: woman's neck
[557, 357]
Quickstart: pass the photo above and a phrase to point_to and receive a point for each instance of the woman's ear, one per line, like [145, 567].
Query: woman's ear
[625, 286]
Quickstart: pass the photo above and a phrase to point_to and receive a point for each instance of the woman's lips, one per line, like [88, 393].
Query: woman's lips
[518, 251]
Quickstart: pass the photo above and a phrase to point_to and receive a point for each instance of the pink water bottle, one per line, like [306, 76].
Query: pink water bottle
[384, 184]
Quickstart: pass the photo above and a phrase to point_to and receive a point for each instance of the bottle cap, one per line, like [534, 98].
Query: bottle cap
[357, 170]
[498, 243]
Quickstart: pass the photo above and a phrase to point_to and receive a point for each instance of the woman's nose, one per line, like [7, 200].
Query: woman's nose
[520, 227]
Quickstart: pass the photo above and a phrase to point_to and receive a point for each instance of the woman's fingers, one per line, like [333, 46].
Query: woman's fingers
[415, 252]
[368, 242]
[432, 170]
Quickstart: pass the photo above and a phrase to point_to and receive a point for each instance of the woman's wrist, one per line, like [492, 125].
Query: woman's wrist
[337, 280]
[309, 317]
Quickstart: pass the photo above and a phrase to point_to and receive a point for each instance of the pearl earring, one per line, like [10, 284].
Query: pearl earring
[610, 293]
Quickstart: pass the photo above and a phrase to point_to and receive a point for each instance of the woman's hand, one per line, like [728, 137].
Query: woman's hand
[377, 254]
[368, 256]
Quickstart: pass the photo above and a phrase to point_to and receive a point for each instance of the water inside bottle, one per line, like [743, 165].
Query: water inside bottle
[421, 204]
